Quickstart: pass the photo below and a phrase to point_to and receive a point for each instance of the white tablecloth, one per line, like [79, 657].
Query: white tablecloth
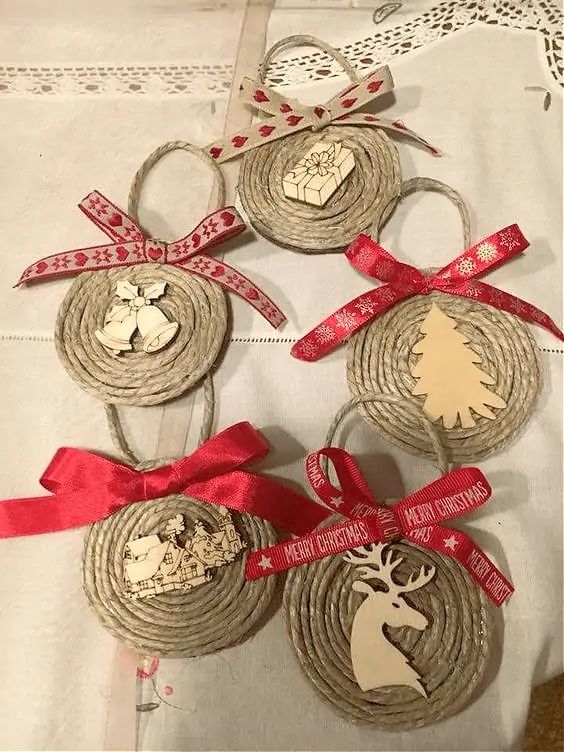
[87, 93]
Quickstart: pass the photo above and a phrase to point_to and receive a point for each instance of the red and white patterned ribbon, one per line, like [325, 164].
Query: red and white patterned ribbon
[403, 281]
[415, 518]
[291, 115]
[130, 246]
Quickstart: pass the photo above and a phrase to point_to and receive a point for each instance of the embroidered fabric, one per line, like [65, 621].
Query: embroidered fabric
[443, 18]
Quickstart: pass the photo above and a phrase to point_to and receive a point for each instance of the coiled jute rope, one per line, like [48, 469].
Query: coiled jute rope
[368, 194]
[198, 305]
[182, 623]
[380, 358]
[450, 654]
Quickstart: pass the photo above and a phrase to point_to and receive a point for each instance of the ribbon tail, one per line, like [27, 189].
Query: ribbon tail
[460, 546]
[71, 263]
[263, 497]
[396, 126]
[51, 514]
[234, 281]
[118, 225]
[337, 328]
[504, 301]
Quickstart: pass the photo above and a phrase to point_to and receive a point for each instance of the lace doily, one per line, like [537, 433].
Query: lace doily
[543, 16]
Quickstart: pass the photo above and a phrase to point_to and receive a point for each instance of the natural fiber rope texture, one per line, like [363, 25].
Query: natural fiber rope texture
[380, 358]
[367, 195]
[450, 654]
[182, 623]
[137, 377]
[198, 305]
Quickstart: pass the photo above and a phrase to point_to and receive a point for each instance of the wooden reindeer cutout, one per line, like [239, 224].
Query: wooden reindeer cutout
[376, 662]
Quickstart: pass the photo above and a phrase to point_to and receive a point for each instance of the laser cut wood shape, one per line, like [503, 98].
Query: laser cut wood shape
[318, 174]
[447, 374]
[153, 566]
[136, 313]
[376, 662]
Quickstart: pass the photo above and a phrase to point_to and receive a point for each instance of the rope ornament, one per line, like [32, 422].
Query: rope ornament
[272, 149]
[439, 660]
[443, 336]
[180, 624]
[145, 320]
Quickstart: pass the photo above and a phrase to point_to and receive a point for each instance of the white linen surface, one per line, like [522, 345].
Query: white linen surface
[502, 151]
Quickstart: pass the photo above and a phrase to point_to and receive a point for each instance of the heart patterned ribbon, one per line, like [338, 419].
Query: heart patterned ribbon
[403, 281]
[415, 518]
[130, 246]
[291, 116]
[86, 488]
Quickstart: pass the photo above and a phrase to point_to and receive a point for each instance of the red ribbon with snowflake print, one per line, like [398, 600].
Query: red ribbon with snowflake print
[291, 116]
[404, 281]
[130, 246]
[415, 518]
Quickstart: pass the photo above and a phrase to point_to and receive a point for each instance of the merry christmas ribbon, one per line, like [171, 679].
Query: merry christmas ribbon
[415, 518]
[457, 278]
[86, 488]
[291, 116]
[130, 246]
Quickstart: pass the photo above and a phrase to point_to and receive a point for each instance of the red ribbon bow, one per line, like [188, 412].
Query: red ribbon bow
[130, 246]
[415, 518]
[86, 487]
[457, 278]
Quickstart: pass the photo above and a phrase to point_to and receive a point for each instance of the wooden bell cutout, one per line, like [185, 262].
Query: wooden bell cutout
[137, 312]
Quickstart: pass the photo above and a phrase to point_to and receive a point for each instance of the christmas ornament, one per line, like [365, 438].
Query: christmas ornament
[388, 610]
[447, 374]
[383, 327]
[194, 299]
[137, 314]
[318, 174]
[272, 147]
[130, 575]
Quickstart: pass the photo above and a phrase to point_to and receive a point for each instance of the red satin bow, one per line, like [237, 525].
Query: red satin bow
[457, 278]
[87, 488]
[130, 246]
[415, 518]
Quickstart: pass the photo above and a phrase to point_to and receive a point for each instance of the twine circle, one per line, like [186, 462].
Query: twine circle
[451, 654]
[367, 195]
[182, 623]
[198, 305]
[136, 377]
[380, 358]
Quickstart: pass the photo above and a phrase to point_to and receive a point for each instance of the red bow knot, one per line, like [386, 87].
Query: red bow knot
[415, 518]
[459, 277]
[130, 246]
[86, 488]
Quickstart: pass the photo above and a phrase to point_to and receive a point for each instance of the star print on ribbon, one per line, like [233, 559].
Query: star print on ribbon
[404, 281]
[130, 246]
[416, 518]
[291, 116]
[86, 488]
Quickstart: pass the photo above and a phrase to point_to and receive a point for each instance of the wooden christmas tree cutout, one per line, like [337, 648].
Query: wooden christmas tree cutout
[448, 376]
[153, 566]
[137, 311]
[376, 662]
